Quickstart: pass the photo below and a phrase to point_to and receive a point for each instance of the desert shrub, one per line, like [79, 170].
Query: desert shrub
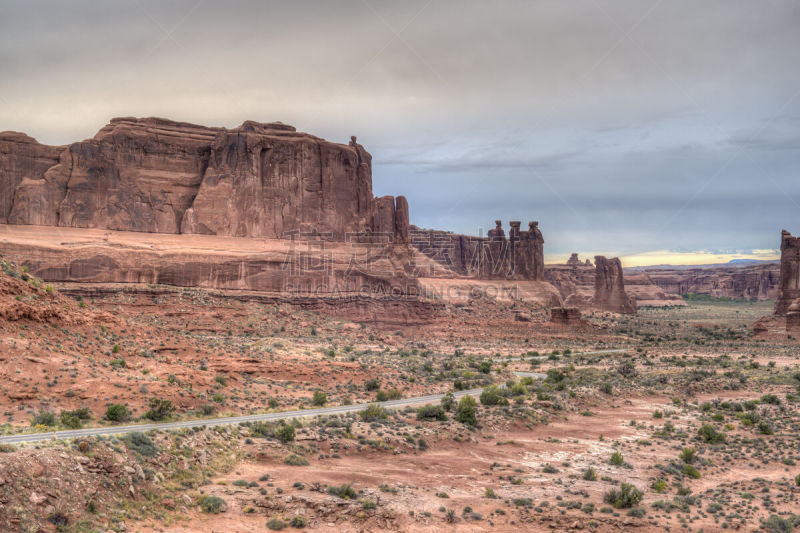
[275, 524]
[319, 398]
[776, 524]
[555, 376]
[606, 388]
[373, 412]
[140, 443]
[710, 435]
[117, 412]
[344, 491]
[627, 369]
[765, 428]
[298, 521]
[159, 409]
[659, 486]
[625, 497]
[295, 460]
[485, 367]
[44, 418]
[770, 399]
[691, 471]
[431, 412]
[213, 504]
[616, 459]
[70, 421]
[493, 395]
[518, 389]
[384, 396]
[284, 433]
[466, 413]
[590, 474]
[449, 401]
[688, 455]
[372, 384]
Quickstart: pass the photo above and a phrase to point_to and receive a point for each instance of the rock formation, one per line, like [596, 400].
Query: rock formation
[609, 287]
[748, 282]
[573, 260]
[520, 256]
[567, 316]
[160, 176]
[23, 162]
[789, 284]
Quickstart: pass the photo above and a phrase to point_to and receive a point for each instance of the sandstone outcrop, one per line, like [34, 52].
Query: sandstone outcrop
[160, 176]
[23, 161]
[785, 319]
[789, 284]
[749, 282]
[609, 287]
[567, 316]
[519, 256]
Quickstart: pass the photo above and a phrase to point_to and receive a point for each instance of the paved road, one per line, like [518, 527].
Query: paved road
[232, 420]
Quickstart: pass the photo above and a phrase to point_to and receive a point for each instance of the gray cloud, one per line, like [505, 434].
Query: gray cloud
[620, 125]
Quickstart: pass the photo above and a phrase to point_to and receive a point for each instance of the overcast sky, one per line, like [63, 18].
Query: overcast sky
[636, 128]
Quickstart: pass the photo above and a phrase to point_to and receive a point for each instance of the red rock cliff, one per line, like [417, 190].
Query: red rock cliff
[160, 176]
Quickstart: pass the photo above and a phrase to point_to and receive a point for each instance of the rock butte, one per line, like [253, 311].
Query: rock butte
[260, 208]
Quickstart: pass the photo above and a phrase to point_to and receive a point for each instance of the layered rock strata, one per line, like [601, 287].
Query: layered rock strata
[160, 176]
[519, 256]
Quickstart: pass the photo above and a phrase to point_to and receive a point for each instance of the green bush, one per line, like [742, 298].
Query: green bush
[70, 421]
[159, 409]
[449, 401]
[431, 412]
[623, 498]
[319, 398]
[44, 418]
[691, 471]
[373, 412]
[466, 413]
[485, 367]
[710, 435]
[213, 504]
[344, 491]
[298, 521]
[616, 459]
[284, 433]
[493, 395]
[117, 412]
[590, 474]
[140, 443]
[276, 524]
[295, 460]
[688, 455]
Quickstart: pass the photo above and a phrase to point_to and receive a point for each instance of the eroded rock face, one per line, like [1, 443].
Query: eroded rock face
[520, 256]
[609, 287]
[789, 284]
[23, 161]
[754, 282]
[160, 176]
